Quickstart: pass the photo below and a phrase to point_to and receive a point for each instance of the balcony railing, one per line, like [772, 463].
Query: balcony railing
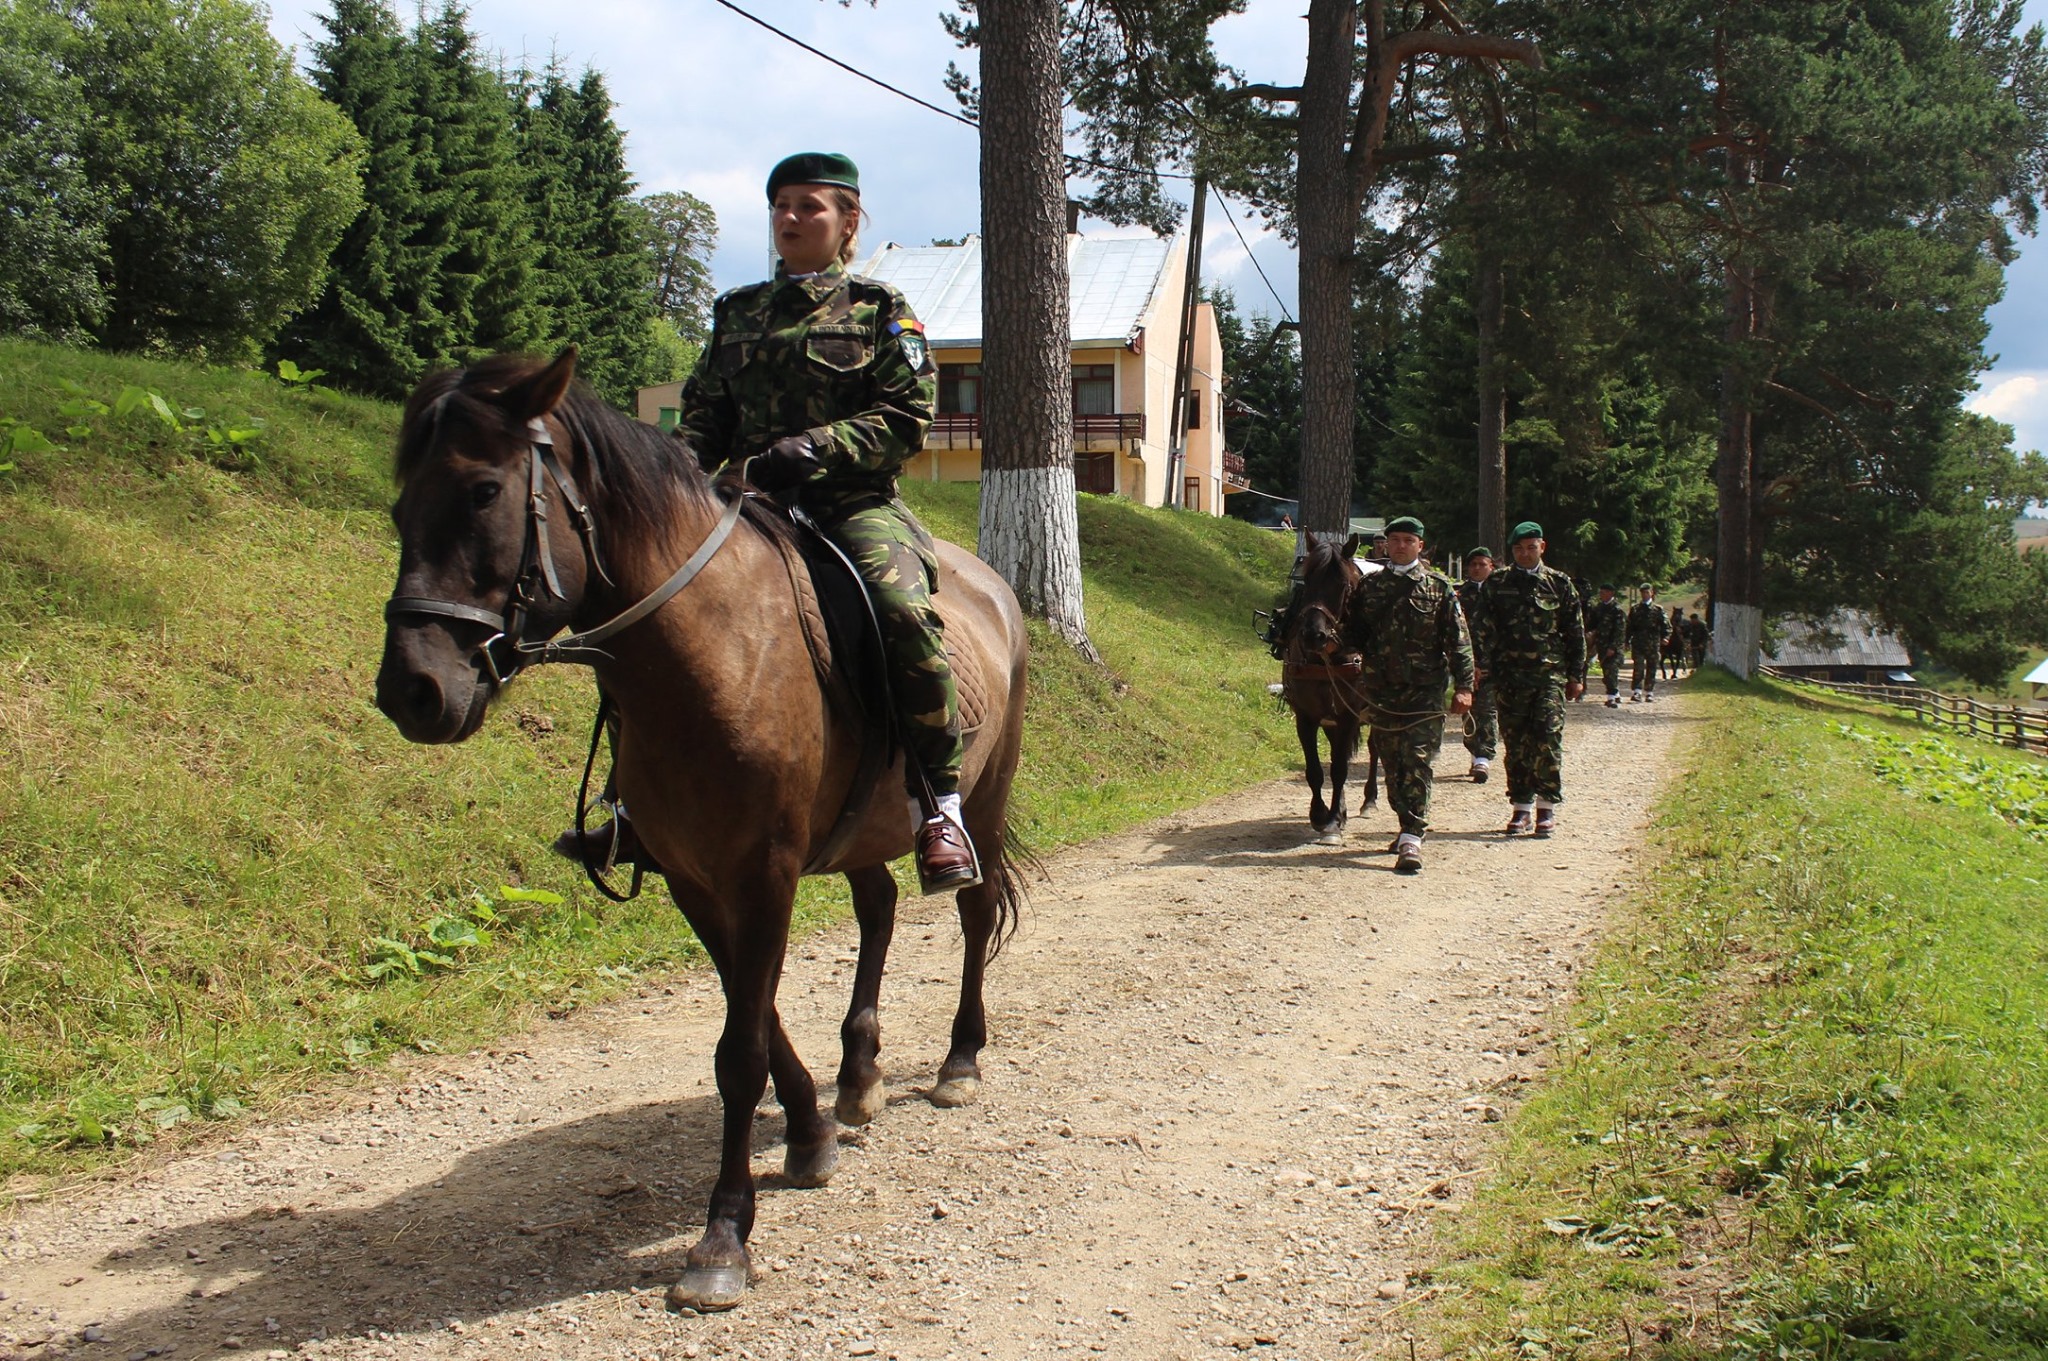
[1121, 431]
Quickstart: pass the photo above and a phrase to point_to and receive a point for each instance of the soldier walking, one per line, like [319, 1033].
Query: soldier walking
[1482, 725]
[1607, 633]
[1646, 629]
[1411, 637]
[1531, 641]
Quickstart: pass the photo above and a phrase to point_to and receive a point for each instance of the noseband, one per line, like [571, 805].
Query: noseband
[507, 651]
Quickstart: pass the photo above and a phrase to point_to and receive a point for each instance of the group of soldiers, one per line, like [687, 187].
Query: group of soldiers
[1651, 641]
[1511, 643]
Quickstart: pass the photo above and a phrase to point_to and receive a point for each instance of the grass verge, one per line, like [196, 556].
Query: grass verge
[1800, 1110]
[223, 874]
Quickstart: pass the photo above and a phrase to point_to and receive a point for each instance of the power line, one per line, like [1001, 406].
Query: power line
[1248, 253]
[850, 70]
[1090, 162]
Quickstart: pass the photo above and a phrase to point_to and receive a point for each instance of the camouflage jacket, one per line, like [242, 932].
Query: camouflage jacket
[1410, 634]
[1530, 625]
[1646, 626]
[1610, 628]
[836, 356]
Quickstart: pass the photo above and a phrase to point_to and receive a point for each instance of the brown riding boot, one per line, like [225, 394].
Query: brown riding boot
[945, 856]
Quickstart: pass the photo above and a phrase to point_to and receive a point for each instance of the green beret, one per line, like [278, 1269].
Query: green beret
[1646, 586]
[813, 167]
[1405, 524]
[1472, 553]
[1528, 529]
[1606, 585]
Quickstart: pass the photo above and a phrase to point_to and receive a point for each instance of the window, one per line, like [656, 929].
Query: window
[960, 387]
[1194, 409]
[1094, 389]
[668, 418]
[1191, 494]
[1095, 472]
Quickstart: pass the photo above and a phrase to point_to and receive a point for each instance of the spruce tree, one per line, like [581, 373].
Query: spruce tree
[475, 202]
[366, 329]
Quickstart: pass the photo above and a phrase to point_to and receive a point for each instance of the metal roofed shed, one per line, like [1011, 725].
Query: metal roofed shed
[2038, 678]
[1847, 645]
[1111, 285]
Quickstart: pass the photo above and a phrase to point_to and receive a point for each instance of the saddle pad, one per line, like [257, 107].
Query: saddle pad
[965, 661]
[971, 683]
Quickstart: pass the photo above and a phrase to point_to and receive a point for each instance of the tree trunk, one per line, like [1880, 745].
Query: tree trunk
[1029, 532]
[1493, 404]
[1738, 561]
[1326, 212]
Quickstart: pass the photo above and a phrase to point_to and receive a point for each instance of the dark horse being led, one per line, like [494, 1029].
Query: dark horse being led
[735, 756]
[1319, 679]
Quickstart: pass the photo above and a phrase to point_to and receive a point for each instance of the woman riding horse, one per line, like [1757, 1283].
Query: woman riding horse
[818, 383]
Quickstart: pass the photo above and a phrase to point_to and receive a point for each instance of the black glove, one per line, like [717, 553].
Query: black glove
[784, 464]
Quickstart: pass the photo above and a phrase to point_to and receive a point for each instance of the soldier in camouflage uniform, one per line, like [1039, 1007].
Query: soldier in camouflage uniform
[1482, 726]
[818, 384]
[1531, 641]
[1607, 629]
[1412, 641]
[1646, 630]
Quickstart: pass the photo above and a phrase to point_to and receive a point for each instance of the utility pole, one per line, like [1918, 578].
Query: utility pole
[1184, 362]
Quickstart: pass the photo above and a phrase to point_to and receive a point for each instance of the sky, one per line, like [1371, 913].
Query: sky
[709, 102]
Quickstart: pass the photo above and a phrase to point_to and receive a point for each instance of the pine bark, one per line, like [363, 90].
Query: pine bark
[1029, 531]
[1327, 214]
[1738, 552]
[1493, 404]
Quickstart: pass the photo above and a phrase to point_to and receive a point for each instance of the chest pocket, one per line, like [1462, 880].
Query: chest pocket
[734, 351]
[842, 349]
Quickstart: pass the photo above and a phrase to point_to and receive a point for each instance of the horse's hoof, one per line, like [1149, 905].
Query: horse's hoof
[709, 1289]
[957, 1091]
[806, 1170]
[857, 1107]
[1333, 836]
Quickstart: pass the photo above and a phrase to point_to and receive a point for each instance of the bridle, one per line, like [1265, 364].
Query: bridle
[508, 651]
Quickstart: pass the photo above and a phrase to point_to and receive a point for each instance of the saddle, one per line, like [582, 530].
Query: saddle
[843, 636]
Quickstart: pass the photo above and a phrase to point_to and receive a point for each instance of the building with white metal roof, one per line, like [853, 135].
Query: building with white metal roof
[1124, 321]
[1848, 645]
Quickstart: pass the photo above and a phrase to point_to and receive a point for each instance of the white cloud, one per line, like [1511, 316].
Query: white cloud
[2020, 399]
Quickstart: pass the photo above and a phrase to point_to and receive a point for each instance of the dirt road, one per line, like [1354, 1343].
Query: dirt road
[1233, 1079]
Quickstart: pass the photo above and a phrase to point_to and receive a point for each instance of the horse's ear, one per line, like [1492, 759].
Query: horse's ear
[535, 396]
[1350, 547]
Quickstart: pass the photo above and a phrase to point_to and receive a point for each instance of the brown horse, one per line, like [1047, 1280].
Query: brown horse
[1321, 683]
[732, 755]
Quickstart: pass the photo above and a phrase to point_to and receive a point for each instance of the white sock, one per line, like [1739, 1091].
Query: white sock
[949, 806]
[1480, 763]
[1542, 802]
[1407, 841]
[1524, 807]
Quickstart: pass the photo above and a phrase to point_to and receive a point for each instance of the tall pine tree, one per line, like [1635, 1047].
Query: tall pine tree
[438, 270]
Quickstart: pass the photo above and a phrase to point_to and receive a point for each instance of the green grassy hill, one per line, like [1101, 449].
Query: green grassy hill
[209, 839]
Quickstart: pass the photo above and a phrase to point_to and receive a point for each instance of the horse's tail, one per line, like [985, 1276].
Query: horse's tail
[1007, 876]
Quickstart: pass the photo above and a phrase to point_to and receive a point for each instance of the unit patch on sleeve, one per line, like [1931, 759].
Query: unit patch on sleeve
[909, 333]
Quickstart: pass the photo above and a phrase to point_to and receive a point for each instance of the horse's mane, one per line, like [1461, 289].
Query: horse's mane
[1322, 556]
[637, 477]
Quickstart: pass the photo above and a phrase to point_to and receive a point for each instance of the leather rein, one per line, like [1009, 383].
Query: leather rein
[508, 651]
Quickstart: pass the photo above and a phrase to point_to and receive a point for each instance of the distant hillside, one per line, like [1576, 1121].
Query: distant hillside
[209, 838]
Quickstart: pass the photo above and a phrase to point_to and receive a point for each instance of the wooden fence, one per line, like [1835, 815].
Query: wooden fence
[2009, 725]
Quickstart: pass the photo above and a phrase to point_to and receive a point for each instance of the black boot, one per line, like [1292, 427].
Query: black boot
[612, 843]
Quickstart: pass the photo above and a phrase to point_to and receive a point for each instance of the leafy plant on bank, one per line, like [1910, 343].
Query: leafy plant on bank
[442, 941]
[1941, 772]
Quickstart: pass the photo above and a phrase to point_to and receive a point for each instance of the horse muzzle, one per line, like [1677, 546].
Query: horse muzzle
[429, 687]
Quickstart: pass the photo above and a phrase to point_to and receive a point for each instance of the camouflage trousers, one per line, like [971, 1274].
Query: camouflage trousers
[1406, 749]
[1532, 728]
[1482, 725]
[895, 557]
[1610, 671]
[1644, 675]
